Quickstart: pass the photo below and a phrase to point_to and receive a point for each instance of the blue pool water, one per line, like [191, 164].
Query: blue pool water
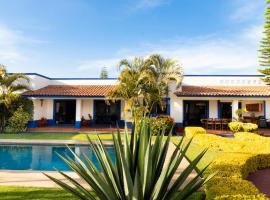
[43, 157]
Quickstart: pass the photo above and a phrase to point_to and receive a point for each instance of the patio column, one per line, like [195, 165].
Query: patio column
[267, 109]
[78, 113]
[234, 108]
[176, 110]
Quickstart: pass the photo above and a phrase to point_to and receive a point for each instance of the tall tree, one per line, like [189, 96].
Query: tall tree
[166, 71]
[10, 86]
[144, 83]
[264, 58]
[104, 73]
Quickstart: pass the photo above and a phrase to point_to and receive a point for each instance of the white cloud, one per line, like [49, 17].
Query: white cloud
[202, 55]
[246, 10]
[14, 45]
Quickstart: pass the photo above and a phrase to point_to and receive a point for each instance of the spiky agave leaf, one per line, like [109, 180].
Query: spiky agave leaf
[139, 171]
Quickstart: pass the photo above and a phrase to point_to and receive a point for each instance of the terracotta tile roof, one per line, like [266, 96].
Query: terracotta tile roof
[240, 91]
[71, 90]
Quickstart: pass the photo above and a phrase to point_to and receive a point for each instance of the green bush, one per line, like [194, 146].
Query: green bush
[240, 126]
[190, 132]
[249, 127]
[158, 124]
[17, 122]
[251, 137]
[239, 156]
[235, 126]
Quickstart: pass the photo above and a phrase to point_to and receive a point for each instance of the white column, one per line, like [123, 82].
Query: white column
[176, 110]
[234, 108]
[267, 109]
[213, 109]
[78, 113]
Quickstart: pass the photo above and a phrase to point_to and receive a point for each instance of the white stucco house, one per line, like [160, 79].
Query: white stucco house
[64, 101]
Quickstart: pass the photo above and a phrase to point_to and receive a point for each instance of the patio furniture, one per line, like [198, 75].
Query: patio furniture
[210, 123]
[218, 123]
[224, 124]
[204, 122]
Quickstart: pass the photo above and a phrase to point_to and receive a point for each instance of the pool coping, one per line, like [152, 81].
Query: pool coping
[50, 142]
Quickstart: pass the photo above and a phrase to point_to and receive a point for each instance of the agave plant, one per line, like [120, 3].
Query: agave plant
[138, 172]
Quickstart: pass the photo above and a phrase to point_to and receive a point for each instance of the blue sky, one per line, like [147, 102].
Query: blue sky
[76, 38]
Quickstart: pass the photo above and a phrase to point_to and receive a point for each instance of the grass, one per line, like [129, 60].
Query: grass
[55, 136]
[33, 193]
[39, 193]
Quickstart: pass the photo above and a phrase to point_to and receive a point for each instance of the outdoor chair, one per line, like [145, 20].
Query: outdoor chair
[218, 124]
[210, 124]
[224, 124]
[204, 122]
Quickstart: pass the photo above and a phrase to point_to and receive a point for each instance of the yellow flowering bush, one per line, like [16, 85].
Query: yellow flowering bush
[240, 156]
[192, 131]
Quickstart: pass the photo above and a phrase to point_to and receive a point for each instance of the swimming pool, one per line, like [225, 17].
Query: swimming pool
[43, 157]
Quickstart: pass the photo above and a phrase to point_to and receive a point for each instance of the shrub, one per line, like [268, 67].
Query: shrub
[17, 122]
[235, 126]
[139, 172]
[249, 127]
[232, 169]
[240, 126]
[158, 124]
[190, 132]
[239, 156]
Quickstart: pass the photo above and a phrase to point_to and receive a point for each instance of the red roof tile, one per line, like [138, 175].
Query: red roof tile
[71, 90]
[224, 91]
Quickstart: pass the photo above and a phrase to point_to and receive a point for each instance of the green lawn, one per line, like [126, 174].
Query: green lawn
[39, 193]
[55, 136]
[33, 193]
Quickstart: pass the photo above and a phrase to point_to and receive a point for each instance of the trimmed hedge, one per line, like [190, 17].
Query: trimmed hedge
[240, 126]
[190, 132]
[240, 156]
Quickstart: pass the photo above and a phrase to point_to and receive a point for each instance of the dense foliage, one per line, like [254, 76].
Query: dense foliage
[10, 100]
[240, 126]
[142, 169]
[17, 122]
[145, 82]
[265, 46]
[238, 157]
[190, 132]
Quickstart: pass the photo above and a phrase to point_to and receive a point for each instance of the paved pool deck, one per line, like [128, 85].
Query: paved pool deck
[38, 179]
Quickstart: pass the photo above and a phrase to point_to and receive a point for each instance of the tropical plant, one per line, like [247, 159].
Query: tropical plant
[10, 84]
[145, 82]
[265, 46]
[165, 71]
[139, 172]
[132, 82]
[17, 122]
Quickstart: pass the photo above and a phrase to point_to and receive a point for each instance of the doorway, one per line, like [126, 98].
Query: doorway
[107, 113]
[64, 111]
[225, 110]
[194, 111]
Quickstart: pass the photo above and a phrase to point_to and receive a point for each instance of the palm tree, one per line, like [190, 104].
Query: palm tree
[133, 79]
[10, 84]
[165, 71]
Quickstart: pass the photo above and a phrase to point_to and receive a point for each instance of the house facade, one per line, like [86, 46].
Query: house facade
[68, 101]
